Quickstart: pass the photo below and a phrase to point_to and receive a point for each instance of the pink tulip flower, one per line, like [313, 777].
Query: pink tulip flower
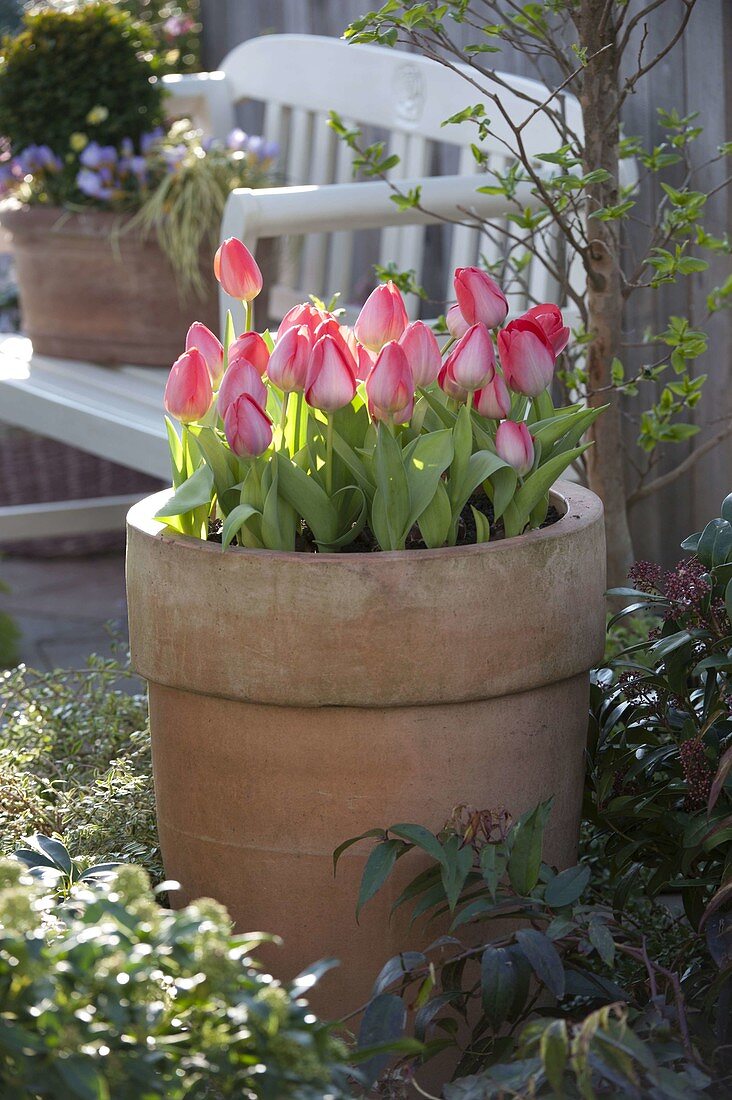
[250, 346]
[365, 360]
[549, 319]
[446, 382]
[237, 270]
[240, 378]
[390, 386]
[527, 357]
[472, 363]
[342, 336]
[288, 363]
[515, 445]
[383, 317]
[188, 391]
[494, 400]
[201, 337]
[480, 298]
[302, 314]
[247, 427]
[331, 381]
[422, 352]
[457, 326]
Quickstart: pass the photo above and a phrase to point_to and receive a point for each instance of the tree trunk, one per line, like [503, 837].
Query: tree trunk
[599, 99]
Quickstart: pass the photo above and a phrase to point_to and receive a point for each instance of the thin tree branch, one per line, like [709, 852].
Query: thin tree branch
[671, 476]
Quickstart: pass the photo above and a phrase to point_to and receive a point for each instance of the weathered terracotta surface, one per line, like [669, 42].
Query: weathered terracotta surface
[91, 292]
[297, 700]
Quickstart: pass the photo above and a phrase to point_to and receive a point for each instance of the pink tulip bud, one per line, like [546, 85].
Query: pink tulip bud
[423, 353]
[494, 400]
[383, 317]
[446, 382]
[457, 326]
[390, 386]
[365, 360]
[288, 363]
[247, 427]
[188, 391]
[549, 319]
[480, 298]
[342, 336]
[201, 337]
[302, 314]
[331, 381]
[250, 346]
[237, 270]
[526, 357]
[515, 445]
[240, 378]
[472, 363]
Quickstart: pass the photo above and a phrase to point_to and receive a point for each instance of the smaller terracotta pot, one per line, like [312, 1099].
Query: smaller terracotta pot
[92, 290]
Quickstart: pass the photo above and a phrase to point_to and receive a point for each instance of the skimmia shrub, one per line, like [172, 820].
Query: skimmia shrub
[376, 437]
[563, 999]
[660, 754]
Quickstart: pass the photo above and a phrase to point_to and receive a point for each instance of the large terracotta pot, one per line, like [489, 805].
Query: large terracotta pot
[91, 291]
[297, 700]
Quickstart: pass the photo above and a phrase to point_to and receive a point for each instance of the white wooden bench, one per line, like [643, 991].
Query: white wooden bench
[117, 412]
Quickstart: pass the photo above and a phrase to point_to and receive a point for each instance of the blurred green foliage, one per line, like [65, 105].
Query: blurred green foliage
[64, 64]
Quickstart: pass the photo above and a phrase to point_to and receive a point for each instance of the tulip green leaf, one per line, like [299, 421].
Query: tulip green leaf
[308, 499]
[574, 432]
[353, 521]
[480, 466]
[462, 440]
[436, 520]
[554, 427]
[195, 491]
[500, 487]
[482, 525]
[354, 464]
[176, 453]
[223, 463]
[439, 408]
[536, 486]
[429, 456]
[278, 518]
[392, 490]
[234, 522]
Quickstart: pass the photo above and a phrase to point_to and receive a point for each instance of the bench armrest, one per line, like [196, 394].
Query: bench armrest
[205, 98]
[253, 214]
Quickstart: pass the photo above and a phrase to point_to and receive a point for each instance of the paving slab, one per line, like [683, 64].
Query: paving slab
[66, 608]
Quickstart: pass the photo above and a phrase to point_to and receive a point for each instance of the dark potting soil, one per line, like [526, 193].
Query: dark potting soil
[365, 543]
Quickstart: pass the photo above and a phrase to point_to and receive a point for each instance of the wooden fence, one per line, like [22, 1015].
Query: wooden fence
[696, 76]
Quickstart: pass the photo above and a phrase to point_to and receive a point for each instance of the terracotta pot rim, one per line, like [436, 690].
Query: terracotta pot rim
[38, 213]
[580, 508]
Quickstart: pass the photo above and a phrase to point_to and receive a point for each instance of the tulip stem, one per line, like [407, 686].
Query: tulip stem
[469, 400]
[248, 316]
[283, 414]
[298, 421]
[543, 406]
[329, 455]
[448, 345]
